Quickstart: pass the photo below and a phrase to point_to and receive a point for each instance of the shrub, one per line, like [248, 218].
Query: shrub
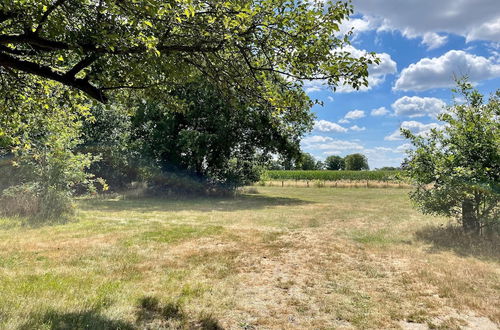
[21, 200]
[28, 200]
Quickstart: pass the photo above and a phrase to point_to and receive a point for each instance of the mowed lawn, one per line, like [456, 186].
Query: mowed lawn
[272, 257]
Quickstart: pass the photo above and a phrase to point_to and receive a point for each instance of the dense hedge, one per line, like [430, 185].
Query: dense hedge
[331, 175]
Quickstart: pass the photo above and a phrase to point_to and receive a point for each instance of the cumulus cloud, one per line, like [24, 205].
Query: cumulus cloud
[486, 31]
[418, 106]
[328, 126]
[382, 111]
[344, 121]
[475, 20]
[438, 72]
[377, 73]
[357, 128]
[357, 25]
[354, 114]
[415, 127]
[402, 148]
[330, 145]
[316, 139]
[433, 40]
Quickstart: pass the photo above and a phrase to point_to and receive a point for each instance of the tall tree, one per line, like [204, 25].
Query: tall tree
[334, 163]
[456, 169]
[356, 162]
[306, 162]
[221, 143]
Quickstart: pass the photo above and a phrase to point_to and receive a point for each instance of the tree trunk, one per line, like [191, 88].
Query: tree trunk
[470, 222]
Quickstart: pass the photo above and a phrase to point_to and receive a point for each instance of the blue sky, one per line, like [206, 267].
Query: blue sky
[422, 45]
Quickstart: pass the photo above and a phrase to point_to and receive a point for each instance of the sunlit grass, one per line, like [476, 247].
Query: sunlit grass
[272, 257]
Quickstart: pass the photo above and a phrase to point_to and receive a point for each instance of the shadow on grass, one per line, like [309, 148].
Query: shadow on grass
[150, 314]
[453, 238]
[76, 320]
[201, 204]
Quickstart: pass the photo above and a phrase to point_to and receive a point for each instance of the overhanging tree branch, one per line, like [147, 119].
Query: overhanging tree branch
[46, 72]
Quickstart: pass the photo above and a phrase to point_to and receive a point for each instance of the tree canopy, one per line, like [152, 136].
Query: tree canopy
[356, 162]
[334, 163]
[261, 48]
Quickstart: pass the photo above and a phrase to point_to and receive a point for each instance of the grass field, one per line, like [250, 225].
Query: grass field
[273, 257]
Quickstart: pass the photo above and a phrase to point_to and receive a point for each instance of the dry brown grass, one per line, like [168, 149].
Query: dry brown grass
[272, 258]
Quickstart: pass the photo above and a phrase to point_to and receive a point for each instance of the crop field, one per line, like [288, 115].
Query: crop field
[333, 175]
[269, 258]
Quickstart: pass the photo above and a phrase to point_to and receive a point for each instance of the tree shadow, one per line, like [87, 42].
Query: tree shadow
[90, 319]
[201, 204]
[150, 314]
[453, 238]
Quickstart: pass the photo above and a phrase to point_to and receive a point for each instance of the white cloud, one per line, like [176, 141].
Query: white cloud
[438, 72]
[382, 111]
[338, 145]
[316, 139]
[402, 148]
[358, 25]
[332, 152]
[486, 31]
[328, 126]
[475, 20]
[415, 127]
[354, 114]
[433, 40]
[418, 106]
[377, 73]
[344, 121]
[357, 128]
[328, 144]
[330, 98]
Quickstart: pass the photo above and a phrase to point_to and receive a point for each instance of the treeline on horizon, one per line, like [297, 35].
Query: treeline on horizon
[307, 162]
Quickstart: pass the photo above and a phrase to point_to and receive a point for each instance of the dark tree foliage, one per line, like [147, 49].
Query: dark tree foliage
[219, 141]
[306, 162]
[107, 135]
[334, 163]
[356, 162]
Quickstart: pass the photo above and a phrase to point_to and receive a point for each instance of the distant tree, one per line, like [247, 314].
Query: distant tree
[320, 165]
[334, 163]
[356, 162]
[456, 170]
[388, 168]
[306, 162]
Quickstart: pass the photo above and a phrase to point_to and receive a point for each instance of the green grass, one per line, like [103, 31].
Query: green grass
[273, 258]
